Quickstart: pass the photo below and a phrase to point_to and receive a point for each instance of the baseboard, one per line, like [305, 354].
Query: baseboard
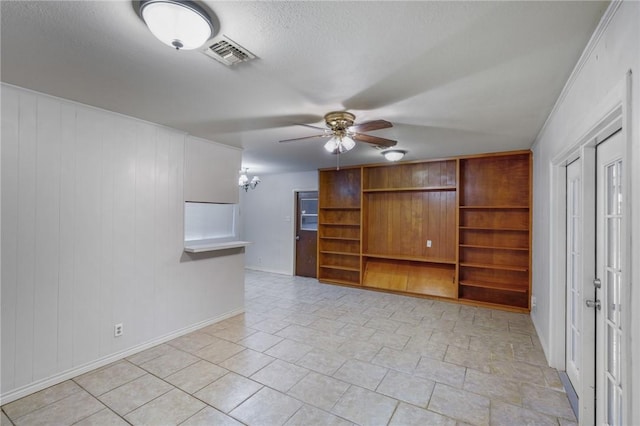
[41, 384]
[271, 271]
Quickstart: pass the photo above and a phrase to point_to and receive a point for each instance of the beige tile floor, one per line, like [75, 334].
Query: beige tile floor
[306, 353]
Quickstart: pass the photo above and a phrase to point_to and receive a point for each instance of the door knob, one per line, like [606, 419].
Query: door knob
[297, 237]
[593, 304]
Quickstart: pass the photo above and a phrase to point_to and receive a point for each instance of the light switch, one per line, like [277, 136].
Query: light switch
[428, 243]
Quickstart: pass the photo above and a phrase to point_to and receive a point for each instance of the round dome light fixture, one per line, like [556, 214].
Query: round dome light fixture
[394, 154]
[177, 23]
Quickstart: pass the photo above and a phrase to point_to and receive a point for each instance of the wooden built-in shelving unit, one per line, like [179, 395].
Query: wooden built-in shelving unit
[456, 228]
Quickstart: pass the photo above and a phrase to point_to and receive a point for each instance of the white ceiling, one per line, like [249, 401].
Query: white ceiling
[454, 78]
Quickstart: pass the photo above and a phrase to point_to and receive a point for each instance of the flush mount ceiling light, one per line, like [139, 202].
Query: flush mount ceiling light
[176, 23]
[394, 154]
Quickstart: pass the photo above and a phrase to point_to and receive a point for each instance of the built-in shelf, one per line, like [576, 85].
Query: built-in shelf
[342, 282]
[409, 258]
[341, 253]
[495, 286]
[341, 268]
[199, 246]
[493, 247]
[339, 208]
[491, 266]
[340, 224]
[409, 189]
[485, 228]
[340, 238]
[496, 207]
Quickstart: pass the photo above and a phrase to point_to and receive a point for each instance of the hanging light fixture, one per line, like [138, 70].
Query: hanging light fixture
[394, 154]
[180, 24]
[245, 183]
[339, 144]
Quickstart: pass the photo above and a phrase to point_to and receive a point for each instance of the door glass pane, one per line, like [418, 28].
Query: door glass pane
[309, 214]
[309, 205]
[309, 222]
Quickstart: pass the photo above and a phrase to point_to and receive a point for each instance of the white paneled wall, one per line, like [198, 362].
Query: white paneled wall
[92, 235]
[268, 220]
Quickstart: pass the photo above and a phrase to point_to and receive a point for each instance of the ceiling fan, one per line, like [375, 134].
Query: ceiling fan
[343, 133]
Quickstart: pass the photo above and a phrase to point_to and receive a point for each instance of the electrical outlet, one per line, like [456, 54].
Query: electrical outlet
[118, 330]
[533, 303]
[429, 243]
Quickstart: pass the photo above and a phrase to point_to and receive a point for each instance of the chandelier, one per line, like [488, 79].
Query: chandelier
[245, 183]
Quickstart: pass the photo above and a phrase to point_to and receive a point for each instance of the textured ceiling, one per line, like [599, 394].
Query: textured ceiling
[453, 77]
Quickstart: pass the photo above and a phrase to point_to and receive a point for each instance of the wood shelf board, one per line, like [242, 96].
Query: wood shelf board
[339, 208]
[410, 189]
[420, 278]
[341, 253]
[495, 286]
[340, 238]
[490, 266]
[482, 228]
[339, 224]
[493, 247]
[496, 207]
[409, 258]
[340, 282]
[340, 268]
[481, 304]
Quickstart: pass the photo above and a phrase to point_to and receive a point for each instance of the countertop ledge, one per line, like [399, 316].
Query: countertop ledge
[199, 246]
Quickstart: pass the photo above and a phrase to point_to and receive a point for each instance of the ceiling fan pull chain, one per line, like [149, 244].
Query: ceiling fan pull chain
[338, 160]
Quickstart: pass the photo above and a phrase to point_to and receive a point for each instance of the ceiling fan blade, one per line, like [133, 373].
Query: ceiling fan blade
[306, 137]
[370, 125]
[313, 127]
[374, 140]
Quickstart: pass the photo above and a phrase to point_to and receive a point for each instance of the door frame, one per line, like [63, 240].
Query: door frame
[612, 114]
[294, 209]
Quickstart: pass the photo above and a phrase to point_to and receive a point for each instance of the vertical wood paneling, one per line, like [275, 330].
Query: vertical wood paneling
[66, 274]
[144, 231]
[124, 171]
[162, 225]
[47, 238]
[87, 231]
[176, 232]
[107, 200]
[10, 149]
[92, 235]
[26, 239]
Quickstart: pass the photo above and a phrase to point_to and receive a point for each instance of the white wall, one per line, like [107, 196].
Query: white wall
[92, 235]
[268, 220]
[616, 51]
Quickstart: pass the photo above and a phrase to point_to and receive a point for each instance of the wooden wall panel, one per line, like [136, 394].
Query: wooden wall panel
[10, 213]
[26, 247]
[92, 234]
[48, 236]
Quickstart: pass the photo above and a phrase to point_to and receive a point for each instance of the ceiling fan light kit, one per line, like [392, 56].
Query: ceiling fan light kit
[180, 24]
[344, 134]
[394, 154]
[339, 144]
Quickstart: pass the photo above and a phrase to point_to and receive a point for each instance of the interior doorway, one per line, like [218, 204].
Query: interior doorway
[306, 233]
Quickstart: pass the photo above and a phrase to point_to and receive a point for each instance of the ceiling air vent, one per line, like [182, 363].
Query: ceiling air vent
[228, 52]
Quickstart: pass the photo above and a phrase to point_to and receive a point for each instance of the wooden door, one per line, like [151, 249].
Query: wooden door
[306, 233]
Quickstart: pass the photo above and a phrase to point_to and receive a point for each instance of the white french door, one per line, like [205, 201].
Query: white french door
[573, 351]
[611, 271]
